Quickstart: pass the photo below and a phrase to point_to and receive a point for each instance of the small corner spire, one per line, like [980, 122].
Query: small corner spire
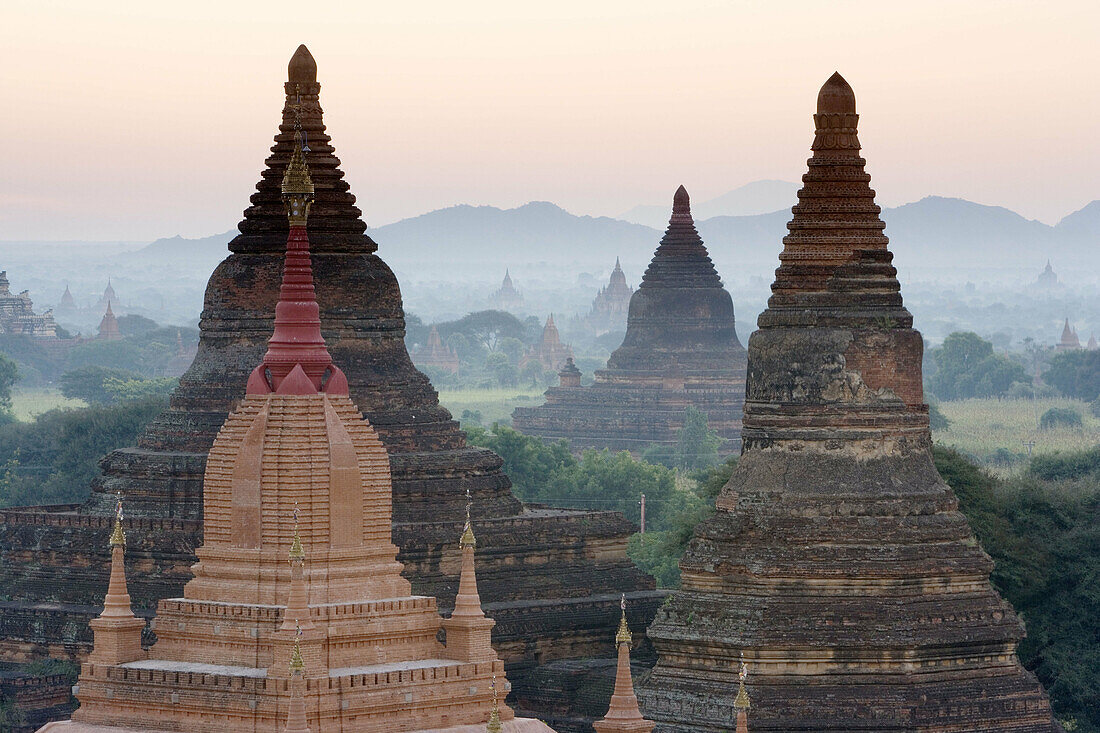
[494, 724]
[118, 536]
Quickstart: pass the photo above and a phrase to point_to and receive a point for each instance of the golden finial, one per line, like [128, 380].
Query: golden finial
[494, 725]
[297, 185]
[297, 552]
[118, 537]
[742, 701]
[297, 664]
[468, 539]
[623, 635]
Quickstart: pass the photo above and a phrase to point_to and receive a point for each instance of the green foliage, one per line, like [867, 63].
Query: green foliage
[696, 445]
[50, 667]
[966, 366]
[1060, 417]
[486, 328]
[9, 375]
[650, 552]
[1075, 374]
[11, 717]
[600, 480]
[135, 325]
[87, 383]
[1045, 542]
[126, 390]
[54, 458]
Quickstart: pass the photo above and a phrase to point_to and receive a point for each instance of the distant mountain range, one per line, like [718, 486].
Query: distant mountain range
[758, 197]
[463, 242]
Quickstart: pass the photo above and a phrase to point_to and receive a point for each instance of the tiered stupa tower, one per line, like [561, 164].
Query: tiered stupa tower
[680, 349]
[334, 639]
[551, 579]
[838, 562]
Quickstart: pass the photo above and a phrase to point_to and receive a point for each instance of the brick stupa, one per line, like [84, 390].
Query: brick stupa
[680, 350]
[331, 641]
[553, 577]
[838, 562]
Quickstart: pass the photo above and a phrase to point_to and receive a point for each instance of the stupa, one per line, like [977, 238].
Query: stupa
[1069, 341]
[108, 298]
[552, 578]
[680, 350]
[838, 563]
[108, 326]
[550, 352]
[331, 641]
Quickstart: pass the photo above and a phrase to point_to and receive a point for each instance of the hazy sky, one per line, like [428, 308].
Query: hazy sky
[134, 120]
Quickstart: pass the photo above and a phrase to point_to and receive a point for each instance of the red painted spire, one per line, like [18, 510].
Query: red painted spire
[297, 360]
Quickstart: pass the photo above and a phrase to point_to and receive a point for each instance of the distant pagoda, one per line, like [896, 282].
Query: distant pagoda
[611, 305]
[568, 605]
[1047, 279]
[838, 563]
[550, 352]
[507, 298]
[333, 640]
[436, 354]
[1070, 341]
[680, 350]
[17, 316]
[108, 327]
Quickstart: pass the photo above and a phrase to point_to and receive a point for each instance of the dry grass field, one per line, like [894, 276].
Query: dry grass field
[997, 432]
[495, 405]
[27, 404]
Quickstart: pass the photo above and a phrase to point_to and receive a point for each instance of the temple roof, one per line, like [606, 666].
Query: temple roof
[680, 308]
[335, 223]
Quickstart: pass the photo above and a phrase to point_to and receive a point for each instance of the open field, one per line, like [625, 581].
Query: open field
[981, 427]
[495, 405]
[27, 404]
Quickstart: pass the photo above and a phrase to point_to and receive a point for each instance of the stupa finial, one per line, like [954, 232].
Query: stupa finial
[623, 635]
[836, 96]
[302, 66]
[118, 536]
[681, 204]
[297, 552]
[494, 725]
[468, 539]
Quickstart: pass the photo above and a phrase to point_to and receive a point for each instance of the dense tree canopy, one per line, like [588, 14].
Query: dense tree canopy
[9, 375]
[966, 366]
[1075, 374]
[54, 458]
[1042, 531]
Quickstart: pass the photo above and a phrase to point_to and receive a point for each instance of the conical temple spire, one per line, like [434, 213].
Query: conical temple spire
[468, 629]
[836, 264]
[623, 713]
[297, 360]
[741, 702]
[336, 224]
[117, 631]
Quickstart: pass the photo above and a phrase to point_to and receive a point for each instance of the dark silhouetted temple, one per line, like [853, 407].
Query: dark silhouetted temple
[680, 350]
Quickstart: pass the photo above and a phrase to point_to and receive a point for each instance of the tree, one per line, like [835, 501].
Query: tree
[485, 327]
[88, 383]
[966, 366]
[55, 458]
[1060, 417]
[135, 325]
[1075, 374]
[9, 375]
[1040, 529]
[696, 446]
[126, 390]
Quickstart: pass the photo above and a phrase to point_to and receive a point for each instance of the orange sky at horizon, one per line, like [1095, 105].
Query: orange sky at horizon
[136, 120]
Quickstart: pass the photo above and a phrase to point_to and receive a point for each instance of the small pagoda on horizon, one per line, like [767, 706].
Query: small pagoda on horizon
[550, 352]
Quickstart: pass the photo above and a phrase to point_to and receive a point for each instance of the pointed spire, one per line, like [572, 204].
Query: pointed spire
[468, 629]
[297, 360]
[681, 206]
[494, 724]
[836, 96]
[296, 714]
[116, 631]
[618, 268]
[623, 714]
[297, 616]
[302, 67]
[741, 702]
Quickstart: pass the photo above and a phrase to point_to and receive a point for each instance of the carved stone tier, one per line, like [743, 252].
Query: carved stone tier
[838, 563]
[680, 350]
